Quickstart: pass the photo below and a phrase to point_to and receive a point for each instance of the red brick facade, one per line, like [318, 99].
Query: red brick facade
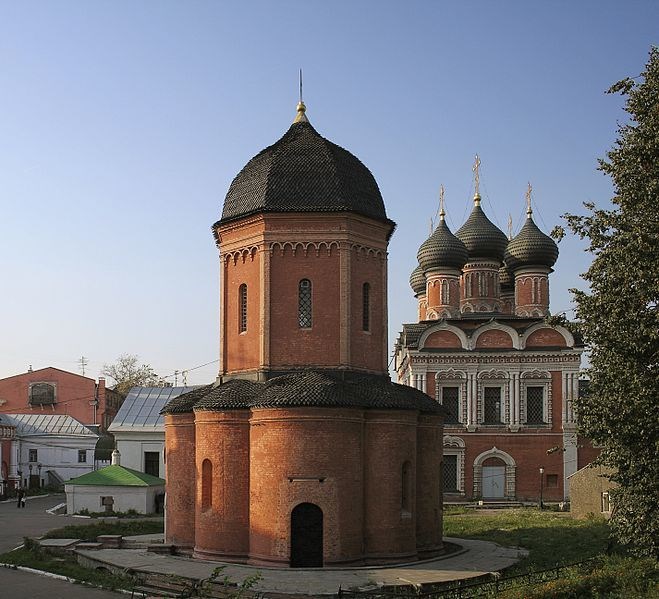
[508, 377]
[78, 396]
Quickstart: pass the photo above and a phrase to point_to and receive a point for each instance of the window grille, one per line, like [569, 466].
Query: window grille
[42, 394]
[450, 402]
[82, 456]
[450, 474]
[535, 410]
[304, 304]
[492, 401]
[242, 308]
[366, 307]
[32, 455]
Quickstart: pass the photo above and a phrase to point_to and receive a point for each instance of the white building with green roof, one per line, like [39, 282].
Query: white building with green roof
[114, 488]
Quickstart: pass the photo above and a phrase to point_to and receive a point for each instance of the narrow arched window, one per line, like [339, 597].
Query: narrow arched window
[206, 485]
[366, 307]
[406, 488]
[242, 308]
[304, 314]
[445, 292]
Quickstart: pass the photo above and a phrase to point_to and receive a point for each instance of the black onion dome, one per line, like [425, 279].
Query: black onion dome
[531, 247]
[482, 238]
[442, 248]
[418, 280]
[303, 172]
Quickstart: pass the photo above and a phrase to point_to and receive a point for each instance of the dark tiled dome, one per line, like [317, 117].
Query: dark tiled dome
[442, 248]
[418, 280]
[306, 388]
[482, 238]
[531, 247]
[303, 172]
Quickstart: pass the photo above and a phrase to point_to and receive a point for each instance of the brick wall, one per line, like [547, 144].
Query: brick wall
[180, 474]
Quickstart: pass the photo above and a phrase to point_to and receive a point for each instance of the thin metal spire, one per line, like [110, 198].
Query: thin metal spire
[529, 210]
[477, 181]
[510, 226]
[301, 117]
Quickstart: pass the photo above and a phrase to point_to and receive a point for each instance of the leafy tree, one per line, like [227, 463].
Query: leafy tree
[620, 318]
[127, 372]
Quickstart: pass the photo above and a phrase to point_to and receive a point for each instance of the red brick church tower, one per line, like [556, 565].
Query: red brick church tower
[303, 452]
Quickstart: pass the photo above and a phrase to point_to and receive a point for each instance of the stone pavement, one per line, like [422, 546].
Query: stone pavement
[476, 559]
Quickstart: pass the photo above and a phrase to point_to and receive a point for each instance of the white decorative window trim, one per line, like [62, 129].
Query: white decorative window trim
[536, 378]
[456, 446]
[493, 378]
[453, 378]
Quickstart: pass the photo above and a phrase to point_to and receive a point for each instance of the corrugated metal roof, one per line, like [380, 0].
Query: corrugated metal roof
[47, 424]
[142, 406]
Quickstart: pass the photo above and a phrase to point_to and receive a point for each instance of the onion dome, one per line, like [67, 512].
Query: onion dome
[531, 247]
[482, 238]
[442, 249]
[303, 172]
[418, 281]
[506, 279]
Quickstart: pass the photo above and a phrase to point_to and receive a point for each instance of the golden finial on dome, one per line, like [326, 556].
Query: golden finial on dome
[477, 181]
[442, 214]
[529, 210]
[301, 116]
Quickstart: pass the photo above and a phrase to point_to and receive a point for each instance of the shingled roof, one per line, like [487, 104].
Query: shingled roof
[303, 172]
[307, 388]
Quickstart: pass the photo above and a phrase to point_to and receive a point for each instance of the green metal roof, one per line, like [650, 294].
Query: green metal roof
[117, 476]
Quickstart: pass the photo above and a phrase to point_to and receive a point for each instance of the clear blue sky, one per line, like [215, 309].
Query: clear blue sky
[123, 123]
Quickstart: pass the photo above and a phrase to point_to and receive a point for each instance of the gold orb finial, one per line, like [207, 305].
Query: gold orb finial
[301, 116]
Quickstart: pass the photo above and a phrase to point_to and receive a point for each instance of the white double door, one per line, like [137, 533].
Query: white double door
[494, 482]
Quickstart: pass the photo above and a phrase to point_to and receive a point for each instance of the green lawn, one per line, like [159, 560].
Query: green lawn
[551, 537]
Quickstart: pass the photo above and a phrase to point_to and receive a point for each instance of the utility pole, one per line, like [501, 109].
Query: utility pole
[83, 363]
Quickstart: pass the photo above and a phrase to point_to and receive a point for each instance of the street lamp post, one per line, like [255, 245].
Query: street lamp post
[39, 465]
[542, 477]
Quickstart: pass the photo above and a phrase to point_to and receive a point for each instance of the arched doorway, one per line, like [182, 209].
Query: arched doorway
[306, 536]
[494, 475]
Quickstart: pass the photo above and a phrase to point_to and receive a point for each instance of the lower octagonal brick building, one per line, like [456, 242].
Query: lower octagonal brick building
[303, 453]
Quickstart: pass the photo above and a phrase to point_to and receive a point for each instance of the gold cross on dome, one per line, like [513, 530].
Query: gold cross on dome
[477, 177]
[441, 203]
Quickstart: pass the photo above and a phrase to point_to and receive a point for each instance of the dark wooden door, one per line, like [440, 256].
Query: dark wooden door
[306, 536]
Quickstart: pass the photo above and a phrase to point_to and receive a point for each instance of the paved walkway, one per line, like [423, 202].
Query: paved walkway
[476, 559]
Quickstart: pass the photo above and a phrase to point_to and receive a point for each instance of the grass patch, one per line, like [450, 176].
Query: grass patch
[89, 532]
[620, 577]
[554, 539]
[550, 537]
[33, 557]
